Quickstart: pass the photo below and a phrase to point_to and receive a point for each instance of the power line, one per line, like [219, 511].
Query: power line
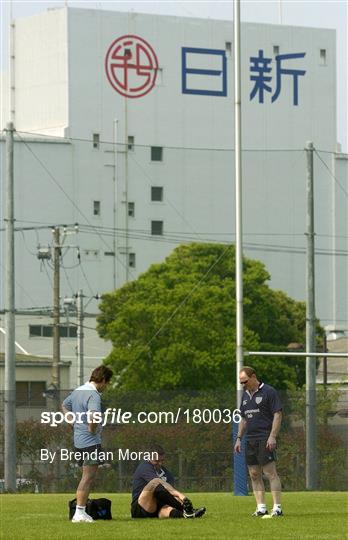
[121, 229]
[20, 287]
[169, 147]
[331, 174]
[68, 280]
[71, 200]
[25, 244]
[126, 144]
[48, 276]
[167, 200]
[182, 303]
[83, 326]
[88, 284]
[37, 228]
[66, 195]
[168, 238]
[188, 295]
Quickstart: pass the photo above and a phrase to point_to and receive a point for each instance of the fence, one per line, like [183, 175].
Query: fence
[199, 449]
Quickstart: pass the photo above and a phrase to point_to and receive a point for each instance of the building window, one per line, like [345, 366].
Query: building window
[46, 330]
[275, 50]
[30, 393]
[130, 143]
[228, 47]
[131, 209]
[96, 140]
[156, 193]
[156, 153]
[90, 254]
[157, 228]
[35, 330]
[96, 208]
[131, 260]
[66, 331]
[323, 57]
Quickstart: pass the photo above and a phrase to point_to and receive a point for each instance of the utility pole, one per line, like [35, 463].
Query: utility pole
[311, 431]
[80, 337]
[10, 351]
[56, 314]
[56, 336]
[45, 254]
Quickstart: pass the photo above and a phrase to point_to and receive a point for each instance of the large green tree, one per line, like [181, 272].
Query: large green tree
[174, 327]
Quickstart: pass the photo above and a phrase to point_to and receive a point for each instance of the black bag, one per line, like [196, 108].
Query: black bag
[96, 508]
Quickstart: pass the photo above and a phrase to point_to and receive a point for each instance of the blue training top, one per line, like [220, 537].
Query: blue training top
[83, 399]
[258, 410]
[146, 472]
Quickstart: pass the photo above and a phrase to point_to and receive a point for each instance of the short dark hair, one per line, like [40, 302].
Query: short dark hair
[249, 371]
[156, 448]
[100, 374]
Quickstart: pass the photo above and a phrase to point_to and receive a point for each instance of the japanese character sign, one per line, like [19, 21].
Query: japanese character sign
[131, 66]
[204, 71]
[260, 68]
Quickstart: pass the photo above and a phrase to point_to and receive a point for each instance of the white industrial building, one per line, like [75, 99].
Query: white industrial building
[125, 125]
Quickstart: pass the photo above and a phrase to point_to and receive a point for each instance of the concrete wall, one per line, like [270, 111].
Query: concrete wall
[41, 73]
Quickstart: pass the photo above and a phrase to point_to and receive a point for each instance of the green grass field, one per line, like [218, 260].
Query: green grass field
[308, 515]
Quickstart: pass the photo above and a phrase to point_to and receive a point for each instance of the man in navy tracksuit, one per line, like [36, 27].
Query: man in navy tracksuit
[261, 412]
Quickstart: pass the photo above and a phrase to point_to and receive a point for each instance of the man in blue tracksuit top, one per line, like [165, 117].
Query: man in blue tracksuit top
[85, 401]
[261, 412]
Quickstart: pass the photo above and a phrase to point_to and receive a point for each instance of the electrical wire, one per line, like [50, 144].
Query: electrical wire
[32, 301]
[148, 146]
[68, 197]
[48, 276]
[199, 234]
[182, 303]
[167, 239]
[83, 326]
[171, 238]
[167, 200]
[330, 173]
[68, 280]
[84, 275]
[26, 246]
[169, 147]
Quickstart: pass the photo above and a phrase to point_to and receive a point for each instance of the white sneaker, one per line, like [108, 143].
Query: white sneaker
[277, 513]
[274, 513]
[82, 517]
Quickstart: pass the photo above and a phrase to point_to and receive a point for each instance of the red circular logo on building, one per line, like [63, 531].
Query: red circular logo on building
[131, 66]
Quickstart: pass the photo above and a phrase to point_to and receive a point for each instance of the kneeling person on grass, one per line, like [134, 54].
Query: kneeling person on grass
[153, 494]
[87, 435]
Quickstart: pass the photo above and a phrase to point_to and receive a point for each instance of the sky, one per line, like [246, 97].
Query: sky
[312, 13]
